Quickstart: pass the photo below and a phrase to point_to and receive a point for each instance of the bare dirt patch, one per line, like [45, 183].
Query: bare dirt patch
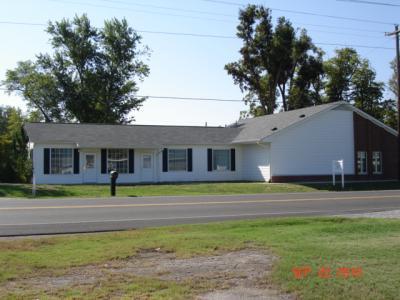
[235, 275]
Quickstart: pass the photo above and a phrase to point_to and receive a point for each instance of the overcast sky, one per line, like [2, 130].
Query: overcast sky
[188, 66]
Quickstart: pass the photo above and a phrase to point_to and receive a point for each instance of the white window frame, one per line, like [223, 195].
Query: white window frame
[374, 170]
[127, 160]
[51, 161]
[186, 159]
[228, 169]
[147, 155]
[359, 170]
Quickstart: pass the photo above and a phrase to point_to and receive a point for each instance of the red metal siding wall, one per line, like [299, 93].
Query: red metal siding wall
[370, 137]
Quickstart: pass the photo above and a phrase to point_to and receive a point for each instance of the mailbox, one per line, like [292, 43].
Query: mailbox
[113, 178]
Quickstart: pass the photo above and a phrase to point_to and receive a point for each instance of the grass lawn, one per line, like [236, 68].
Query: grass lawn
[220, 188]
[372, 244]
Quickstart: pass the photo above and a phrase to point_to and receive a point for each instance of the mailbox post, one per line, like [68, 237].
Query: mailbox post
[113, 178]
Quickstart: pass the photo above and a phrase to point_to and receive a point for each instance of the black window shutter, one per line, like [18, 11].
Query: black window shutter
[131, 161]
[233, 160]
[76, 161]
[103, 161]
[190, 159]
[209, 160]
[165, 160]
[46, 161]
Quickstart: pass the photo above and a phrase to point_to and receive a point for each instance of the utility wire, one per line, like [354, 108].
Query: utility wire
[220, 36]
[370, 2]
[166, 97]
[226, 3]
[340, 27]
[355, 46]
[192, 98]
[141, 11]
[169, 8]
[296, 23]
[306, 13]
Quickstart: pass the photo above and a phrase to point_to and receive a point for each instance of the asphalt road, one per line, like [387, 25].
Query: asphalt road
[54, 216]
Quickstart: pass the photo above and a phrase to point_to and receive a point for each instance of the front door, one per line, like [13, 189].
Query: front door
[89, 168]
[147, 167]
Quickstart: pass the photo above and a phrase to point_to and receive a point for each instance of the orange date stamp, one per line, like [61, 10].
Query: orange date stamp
[327, 273]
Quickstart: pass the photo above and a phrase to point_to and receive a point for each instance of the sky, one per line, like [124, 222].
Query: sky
[188, 66]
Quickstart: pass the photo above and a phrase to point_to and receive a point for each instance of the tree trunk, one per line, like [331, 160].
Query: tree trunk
[283, 94]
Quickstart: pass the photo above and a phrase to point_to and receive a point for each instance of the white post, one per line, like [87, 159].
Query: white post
[337, 166]
[33, 185]
[342, 163]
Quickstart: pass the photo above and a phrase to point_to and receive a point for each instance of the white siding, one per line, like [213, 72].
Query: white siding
[310, 147]
[42, 178]
[200, 172]
[256, 162]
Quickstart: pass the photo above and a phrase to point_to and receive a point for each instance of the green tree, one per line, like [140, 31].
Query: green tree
[339, 72]
[390, 105]
[393, 78]
[389, 113]
[91, 76]
[351, 78]
[308, 84]
[270, 58]
[366, 92]
[15, 165]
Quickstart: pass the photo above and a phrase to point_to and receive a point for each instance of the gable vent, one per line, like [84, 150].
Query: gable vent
[302, 116]
[274, 129]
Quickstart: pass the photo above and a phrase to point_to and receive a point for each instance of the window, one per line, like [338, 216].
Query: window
[377, 162]
[61, 161]
[362, 162]
[117, 159]
[177, 159]
[89, 161]
[146, 161]
[221, 160]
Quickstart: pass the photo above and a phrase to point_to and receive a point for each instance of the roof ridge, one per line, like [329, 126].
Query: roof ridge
[123, 125]
[296, 110]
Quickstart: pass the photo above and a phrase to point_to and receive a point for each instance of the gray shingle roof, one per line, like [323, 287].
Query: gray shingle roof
[258, 128]
[149, 136]
[125, 136]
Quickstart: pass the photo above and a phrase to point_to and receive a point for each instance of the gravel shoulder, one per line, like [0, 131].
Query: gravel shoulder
[235, 275]
[390, 214]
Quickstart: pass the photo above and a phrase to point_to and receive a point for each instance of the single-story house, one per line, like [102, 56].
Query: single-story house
[298, 145]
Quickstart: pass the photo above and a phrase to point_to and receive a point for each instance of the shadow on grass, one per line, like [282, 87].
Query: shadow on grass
[25, 190]
[356, 186]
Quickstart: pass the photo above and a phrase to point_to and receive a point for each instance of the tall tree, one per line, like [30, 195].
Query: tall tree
[270, 58]
[393, 79]
[308, 84]
[91, 76]
[366, 92]
[252, 71]
[339, 72]
[390, 105]
[15, 165]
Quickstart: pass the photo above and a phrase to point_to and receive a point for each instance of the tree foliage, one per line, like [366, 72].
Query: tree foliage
[271, 59]
[351, 78]
[393, 79]
[391, 116]
[15, 165]
[308, 84]
[91, 76]
[339, 72]
[282, 62]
